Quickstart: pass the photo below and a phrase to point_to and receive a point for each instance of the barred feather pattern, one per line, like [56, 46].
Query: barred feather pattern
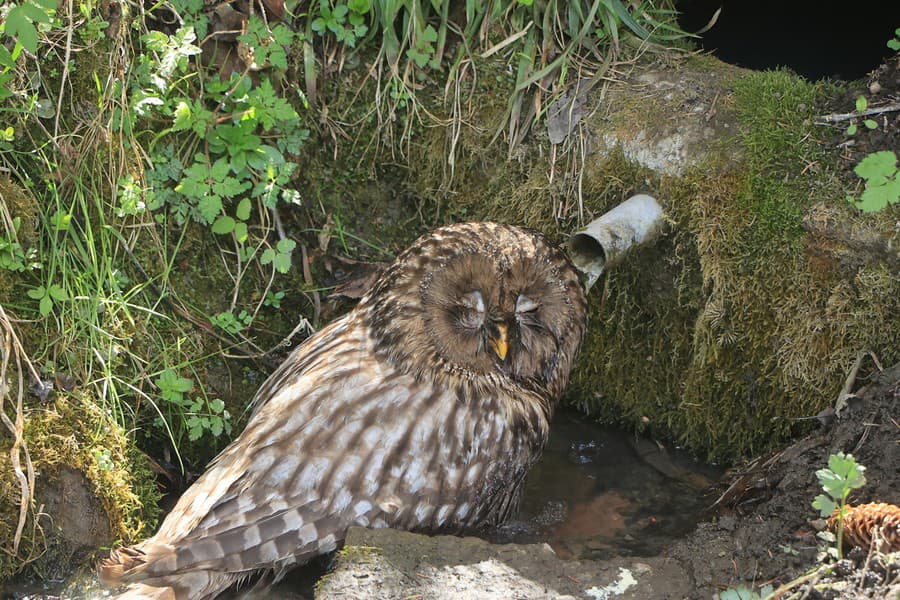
[400, 414]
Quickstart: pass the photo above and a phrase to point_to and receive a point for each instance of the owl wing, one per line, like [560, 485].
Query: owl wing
[341, 439]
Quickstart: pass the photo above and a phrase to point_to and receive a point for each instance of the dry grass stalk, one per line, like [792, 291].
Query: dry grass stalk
[11, 347]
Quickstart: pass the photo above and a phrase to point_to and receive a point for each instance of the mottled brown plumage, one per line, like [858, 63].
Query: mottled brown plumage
[421, 409]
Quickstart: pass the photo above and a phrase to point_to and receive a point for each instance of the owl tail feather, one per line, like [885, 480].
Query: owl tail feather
[119, 562]
[141, 591]
[125, 565]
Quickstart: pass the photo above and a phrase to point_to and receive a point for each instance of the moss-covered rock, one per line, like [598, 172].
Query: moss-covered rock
[749, 314]
[91, 488]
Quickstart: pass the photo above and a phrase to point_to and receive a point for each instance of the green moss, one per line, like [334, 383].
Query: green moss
[786, 167]
[747, 330]
[15, 203]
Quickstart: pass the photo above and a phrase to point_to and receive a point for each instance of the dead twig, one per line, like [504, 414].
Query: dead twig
[847, 391]
[838, 117]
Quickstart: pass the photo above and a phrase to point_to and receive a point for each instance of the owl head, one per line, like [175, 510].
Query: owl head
[481, 300]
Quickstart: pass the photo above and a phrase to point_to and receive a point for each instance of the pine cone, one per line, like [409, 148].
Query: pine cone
[861, 522]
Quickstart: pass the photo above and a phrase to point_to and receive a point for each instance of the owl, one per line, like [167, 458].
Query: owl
[421, 409]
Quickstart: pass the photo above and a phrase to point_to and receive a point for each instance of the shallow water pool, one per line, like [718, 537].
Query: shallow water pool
[599, 492]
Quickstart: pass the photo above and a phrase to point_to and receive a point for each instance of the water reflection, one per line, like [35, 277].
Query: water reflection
[598, 492]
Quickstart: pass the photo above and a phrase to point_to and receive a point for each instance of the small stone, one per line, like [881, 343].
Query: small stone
[641, 568]
[727, 523]
[874, 87]
[594, 544]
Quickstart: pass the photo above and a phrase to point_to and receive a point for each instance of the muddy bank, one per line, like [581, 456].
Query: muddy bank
[767, 529]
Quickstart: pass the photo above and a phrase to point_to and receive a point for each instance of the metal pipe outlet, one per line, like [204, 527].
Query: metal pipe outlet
[607, 239]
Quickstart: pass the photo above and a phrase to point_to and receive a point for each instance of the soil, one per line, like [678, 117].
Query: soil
[766, 531]
[881, 88]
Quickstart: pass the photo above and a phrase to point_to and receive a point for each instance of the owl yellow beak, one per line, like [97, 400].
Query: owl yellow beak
[499, 344]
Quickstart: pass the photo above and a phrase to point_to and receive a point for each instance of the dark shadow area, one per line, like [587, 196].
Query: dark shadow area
[816, 40]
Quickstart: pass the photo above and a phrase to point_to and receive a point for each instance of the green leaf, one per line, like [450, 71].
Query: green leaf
[170, 381]
[870, 124]
[265, 156]
[19, 27]
[824, 505]
[209, 207]
[223, 225]
[360, 7]
[861, 104]
[846, 468]
[877, 197]
[45, 306]
[231, 187]
[240, 232]
[57, 293]
[243, 209]
[851, 130]
[286, 245]
[35, 13]
[877, 166]
[6, 57]
[60, 220]
[282, 263]
[183, 116]
[37, 293]
[217, 405]
[429, 35]
[894, 44]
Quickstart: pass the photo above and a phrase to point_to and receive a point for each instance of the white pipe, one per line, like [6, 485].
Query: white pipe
[606, 240]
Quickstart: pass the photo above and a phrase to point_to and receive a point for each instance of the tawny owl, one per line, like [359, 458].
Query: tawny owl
[421, 409]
